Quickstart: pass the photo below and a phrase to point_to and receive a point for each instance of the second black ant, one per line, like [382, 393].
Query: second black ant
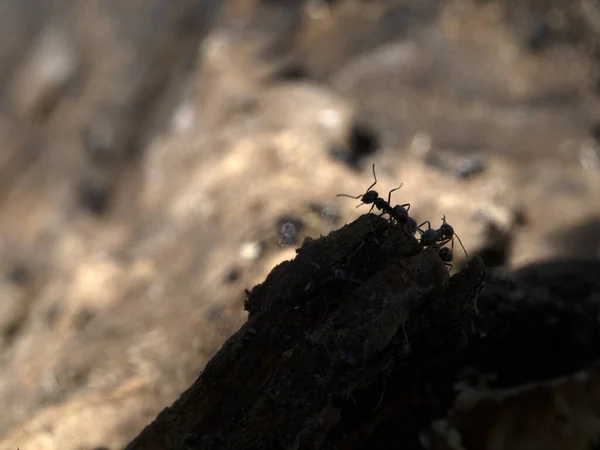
[440, 237]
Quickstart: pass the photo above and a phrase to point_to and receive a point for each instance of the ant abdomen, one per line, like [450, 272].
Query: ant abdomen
[446, 254]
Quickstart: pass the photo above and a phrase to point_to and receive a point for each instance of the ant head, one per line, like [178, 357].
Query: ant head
[446, 254]
[446, 229]
[370, 197]
[429, 237]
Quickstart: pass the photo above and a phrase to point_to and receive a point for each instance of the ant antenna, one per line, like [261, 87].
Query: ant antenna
[368, 189]
[354, 209]
[390, 193]
[461, 244]
[369, 197]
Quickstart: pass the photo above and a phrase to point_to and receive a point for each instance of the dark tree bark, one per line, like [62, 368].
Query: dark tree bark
[359, 342]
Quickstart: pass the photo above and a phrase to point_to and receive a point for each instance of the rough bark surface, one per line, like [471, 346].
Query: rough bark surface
[364, 341]
[349, 345]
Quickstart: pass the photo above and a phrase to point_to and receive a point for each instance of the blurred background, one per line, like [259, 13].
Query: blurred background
[158, 157]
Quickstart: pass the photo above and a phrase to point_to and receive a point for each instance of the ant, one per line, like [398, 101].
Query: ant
[440, 237]
[369, 197]
[399, 213]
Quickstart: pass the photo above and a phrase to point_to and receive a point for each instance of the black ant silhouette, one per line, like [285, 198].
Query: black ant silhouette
[398, 213]
[447, 233]
[369, 197]
[440, 237]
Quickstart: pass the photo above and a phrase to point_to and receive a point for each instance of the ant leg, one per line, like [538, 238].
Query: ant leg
[419, 226]
[390, 193]
[440, 244]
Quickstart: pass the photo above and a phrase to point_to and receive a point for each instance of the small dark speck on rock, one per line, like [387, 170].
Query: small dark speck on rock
[596, 80]
[84, 317]
[292, 72]
[596, 132]
[19, 274]
[94, 195]
[472, 166]
[233, 275]
[540, 37]
[52, 314]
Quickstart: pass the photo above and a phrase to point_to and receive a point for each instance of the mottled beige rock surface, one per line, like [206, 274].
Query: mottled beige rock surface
[147, 145]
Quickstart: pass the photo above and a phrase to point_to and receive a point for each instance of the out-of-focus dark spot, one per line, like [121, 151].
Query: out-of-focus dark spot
[363, 140]
[52, 314]
[471, 167]
[296, 222]
[19, 274]
[233, 275]
[11, 330]
[83, 317]
[496, 248]
[435, 161]
[540, 37]
[596, 81]
[596, 132]
[292, 72]
[520, 217]
[568, 279]
[94, 195]
[581, 240]
[340, 153]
